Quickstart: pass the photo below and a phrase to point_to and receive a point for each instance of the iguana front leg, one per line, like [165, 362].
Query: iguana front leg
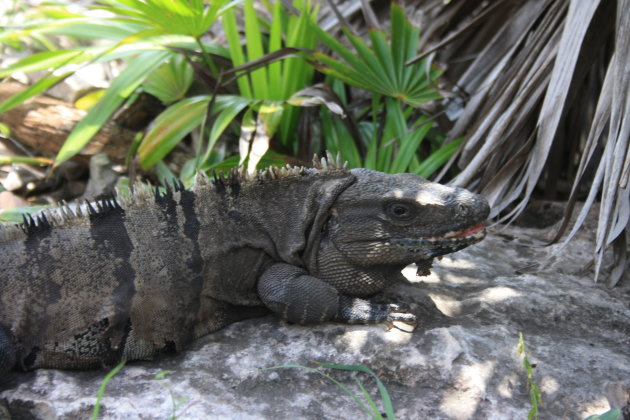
[297, 297]
[7, 352]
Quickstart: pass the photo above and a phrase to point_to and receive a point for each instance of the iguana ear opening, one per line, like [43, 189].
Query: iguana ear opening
[321, 198]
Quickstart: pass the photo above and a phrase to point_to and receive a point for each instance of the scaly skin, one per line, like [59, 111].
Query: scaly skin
[133, 278]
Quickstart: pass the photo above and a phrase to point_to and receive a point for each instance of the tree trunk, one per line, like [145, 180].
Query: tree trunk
[43, 124]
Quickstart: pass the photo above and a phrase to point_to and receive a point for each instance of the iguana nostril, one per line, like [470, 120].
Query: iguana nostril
[462, 210]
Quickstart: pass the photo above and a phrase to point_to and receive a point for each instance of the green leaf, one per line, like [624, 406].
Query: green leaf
[90, 99]
[613, 414]
[336, 46]
[101, 390]
[45, 60]
[16, 215]
[376, 413]
[255, 50]
[170, 81]
[270, 114]
[161, 375]
[379, 68]
[123, 86]
[275, 44]
[387, 402]
[36, 88]
[333, 380]
[384, 57]
[172, 125]
[236, 52]
[437, 159]
[228, 108]
[409, 144]
[91, 28]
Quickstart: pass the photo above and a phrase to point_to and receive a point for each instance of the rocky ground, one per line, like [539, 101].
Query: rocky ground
[460, 363]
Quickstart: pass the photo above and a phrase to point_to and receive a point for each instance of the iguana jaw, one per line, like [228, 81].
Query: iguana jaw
[434, 246]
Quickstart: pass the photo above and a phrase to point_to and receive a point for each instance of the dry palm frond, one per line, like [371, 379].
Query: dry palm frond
[546, 85]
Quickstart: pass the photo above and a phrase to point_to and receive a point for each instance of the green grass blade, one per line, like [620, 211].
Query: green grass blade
[387, 402]
[101, 390]
[333, 380]
[123, 86]
[376, 413]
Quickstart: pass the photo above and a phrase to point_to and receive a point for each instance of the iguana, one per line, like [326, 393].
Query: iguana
[134, 277]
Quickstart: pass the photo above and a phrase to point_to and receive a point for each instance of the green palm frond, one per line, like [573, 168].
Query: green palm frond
[380, 67]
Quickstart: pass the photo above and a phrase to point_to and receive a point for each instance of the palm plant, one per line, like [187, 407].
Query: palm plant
[395, 133]
[144, 31]
[545, 100]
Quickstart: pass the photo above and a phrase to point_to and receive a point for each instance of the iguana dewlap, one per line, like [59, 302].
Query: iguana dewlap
[148, 274]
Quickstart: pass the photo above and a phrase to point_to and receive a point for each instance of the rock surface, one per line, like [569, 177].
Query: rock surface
[460, 363]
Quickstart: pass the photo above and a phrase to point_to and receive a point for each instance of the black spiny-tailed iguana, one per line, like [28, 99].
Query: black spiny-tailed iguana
[135, 277]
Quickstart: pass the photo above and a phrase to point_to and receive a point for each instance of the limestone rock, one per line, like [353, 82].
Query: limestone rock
[460, 363]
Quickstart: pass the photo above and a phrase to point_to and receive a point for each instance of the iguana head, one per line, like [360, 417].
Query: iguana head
[384, 219]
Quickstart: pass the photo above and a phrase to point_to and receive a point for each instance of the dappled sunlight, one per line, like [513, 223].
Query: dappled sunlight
[461, 403]
[499, 293]
[398, 336]
[448, 269]
[454, 262]
[452, 269]
[446, 304]
[507, 384]
[597, 406]
[429, 197]
[354, 340]
[549, 385]
[410, 274]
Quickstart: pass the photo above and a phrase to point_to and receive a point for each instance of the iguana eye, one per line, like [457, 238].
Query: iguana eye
[400, 211]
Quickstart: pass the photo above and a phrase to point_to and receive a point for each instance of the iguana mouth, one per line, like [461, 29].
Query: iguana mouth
[442, 244]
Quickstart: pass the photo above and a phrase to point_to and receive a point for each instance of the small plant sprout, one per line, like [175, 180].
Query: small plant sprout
[534, 391]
